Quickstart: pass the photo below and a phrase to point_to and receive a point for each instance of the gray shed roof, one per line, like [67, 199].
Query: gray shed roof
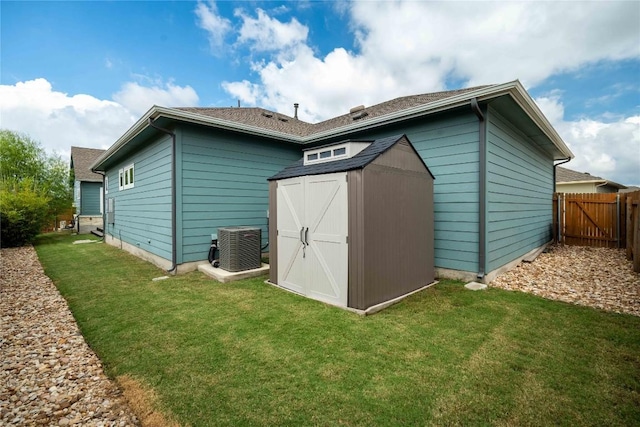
[564, 175]
[81, 161]
[358, 161]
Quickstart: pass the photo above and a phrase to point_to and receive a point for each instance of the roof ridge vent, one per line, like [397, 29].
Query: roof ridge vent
[356, 109]
[282, 119]
[267, 115]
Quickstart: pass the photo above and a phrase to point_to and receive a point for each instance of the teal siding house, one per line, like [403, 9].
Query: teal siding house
[88, 197]
[179, 174]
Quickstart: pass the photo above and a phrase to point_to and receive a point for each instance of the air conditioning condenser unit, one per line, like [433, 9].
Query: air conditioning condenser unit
[239, 248]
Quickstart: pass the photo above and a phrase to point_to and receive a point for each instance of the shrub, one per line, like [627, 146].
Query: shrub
[23, 212]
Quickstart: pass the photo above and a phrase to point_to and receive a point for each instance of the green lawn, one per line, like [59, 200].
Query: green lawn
[246, 353]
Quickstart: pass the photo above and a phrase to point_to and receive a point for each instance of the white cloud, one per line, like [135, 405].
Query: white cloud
[215, 25]
[609, 149]
[416, 47]
[408, 47]
[138, 99]
[58, 120]
[268, 34]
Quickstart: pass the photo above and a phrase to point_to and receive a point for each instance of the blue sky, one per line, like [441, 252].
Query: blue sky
[81, 73]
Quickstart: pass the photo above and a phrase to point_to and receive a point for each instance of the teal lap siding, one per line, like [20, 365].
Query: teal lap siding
[90, 198]
[448, 144]
[143, 213]
[519, 193]
[224, 184]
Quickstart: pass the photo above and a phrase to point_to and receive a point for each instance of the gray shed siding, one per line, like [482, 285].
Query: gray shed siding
[448, 144]
[143, 213]
[390, 228]
[90, 198]
[519, 193]
[224, 184]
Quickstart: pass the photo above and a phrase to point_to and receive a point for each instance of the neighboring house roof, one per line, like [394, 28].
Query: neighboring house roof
[568, 176]
[265, 123]
[360, 160]
[81, 161]
[631, 189]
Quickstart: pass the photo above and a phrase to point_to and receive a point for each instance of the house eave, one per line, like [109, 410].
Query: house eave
[513, 89]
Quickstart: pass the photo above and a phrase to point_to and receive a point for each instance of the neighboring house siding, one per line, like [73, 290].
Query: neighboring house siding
[448, 144]
[224, 183]
[143, 213]
[90, 198]
[519, 193]
[585, 187]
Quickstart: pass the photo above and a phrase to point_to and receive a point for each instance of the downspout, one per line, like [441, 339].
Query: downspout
[173, 195]
[482, 202]
[559, 237]
[555, 171]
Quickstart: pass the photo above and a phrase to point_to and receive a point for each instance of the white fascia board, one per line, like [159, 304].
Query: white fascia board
[156, 112]
[514, 88]
[522, 97]
[595, 181]
[133, 131]
[186, 116]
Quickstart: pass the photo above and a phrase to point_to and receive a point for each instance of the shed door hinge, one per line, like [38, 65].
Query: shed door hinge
[347, 239]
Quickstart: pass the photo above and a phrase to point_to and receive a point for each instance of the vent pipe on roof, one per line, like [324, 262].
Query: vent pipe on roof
[295, 108]
[238, 103]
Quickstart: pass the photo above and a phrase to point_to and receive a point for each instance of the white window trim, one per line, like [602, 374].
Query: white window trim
[106, 184]
[350, 149]
[123, 177]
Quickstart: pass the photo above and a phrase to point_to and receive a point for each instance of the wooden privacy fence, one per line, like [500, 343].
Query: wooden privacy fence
[601, 220]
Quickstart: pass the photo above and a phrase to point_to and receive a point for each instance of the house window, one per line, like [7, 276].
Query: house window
[313, 156]
[126, 177]
[340, 151]
[325, 154]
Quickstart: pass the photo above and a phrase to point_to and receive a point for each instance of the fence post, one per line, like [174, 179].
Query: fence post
[636, 238]
[630, 234]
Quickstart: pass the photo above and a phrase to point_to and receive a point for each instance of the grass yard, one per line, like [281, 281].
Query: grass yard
[247, 353]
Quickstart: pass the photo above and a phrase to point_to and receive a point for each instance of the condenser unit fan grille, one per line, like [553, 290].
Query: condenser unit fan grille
[239, 248]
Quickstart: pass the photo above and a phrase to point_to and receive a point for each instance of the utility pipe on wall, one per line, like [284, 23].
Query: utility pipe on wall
[173, 194]
[482, 202]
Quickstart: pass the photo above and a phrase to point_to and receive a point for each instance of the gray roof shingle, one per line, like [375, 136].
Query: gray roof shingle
[568, 175]
[265, 119]
[81, 161]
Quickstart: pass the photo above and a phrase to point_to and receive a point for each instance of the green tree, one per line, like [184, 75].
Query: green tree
[33, 188]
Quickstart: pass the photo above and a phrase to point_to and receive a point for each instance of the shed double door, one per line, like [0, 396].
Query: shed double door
[312, 221]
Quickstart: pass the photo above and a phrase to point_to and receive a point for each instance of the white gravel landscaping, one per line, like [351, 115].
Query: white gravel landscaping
[597, 277]
[48, 374]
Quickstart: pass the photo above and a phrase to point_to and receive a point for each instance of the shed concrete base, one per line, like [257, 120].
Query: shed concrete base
[371, 310]
[225, 276]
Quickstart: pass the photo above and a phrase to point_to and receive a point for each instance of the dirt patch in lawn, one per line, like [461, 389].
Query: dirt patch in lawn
[596, 277]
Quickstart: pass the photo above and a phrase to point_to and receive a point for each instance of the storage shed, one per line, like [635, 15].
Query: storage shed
[352, 223]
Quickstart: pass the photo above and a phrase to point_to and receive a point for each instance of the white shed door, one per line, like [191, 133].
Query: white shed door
[312, 236]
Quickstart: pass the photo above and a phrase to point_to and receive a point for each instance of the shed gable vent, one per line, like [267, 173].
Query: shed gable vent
[346, 150]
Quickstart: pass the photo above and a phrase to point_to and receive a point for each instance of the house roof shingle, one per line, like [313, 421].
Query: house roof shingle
[265, 119]
[564, 175]
[81, 161]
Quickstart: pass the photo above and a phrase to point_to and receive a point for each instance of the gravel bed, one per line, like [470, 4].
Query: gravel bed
[596, 277]
[48, 374]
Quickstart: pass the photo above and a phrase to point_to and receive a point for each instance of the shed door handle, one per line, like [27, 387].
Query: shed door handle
[302, 236]
[306, 236]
